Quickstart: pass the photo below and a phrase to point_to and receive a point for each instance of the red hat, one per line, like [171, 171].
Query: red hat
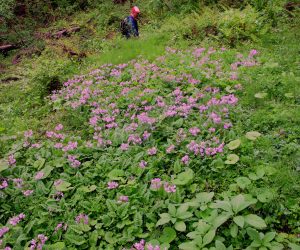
[135, 10]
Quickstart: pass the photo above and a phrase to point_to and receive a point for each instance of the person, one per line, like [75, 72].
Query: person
[129, 26]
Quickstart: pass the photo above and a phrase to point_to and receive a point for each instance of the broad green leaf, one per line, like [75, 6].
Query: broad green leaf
[269, 237]
[116, 174]
[180, 226]
[75, 239]
[39, 163]
[182, 212]
[194, 235]
[240, 202]
[232, 159]
[221, 219]
[168, 235]
[93, 238]
[234, 230]
[204, 197]
[3, 165]
[239, 220]
[164, 218]
[243, 182]
[289, 95]
[63, 186]
[255, 221]
[109, 237]
[56, 246]
[80, 228]
[188, 246]
[254, 235]
[184, 178]
[172, 210]
[253, 135]
[265, 196]
[294, 246]
[89, 189]
[47, 171]
[234, 144]
[225, 205]
[261, 95]
[220, 245]
[208, 238]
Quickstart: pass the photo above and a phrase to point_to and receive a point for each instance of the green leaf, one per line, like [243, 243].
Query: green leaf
[243, 182]
[184, 178]
[194, 235]
[234, 144]
[93, 238]
[168, 235]
[208, 238]
[204, 197]
[63, 186]
[109, 237]
[86, 189]
[221, 219]
[265, 196]
[75, 239]
[269, 237]
[80, 228]
[294, 246]
[3, 165]
[180, 226]
[39, 163]
[234, 230]
[239, 220]
[116, 174]
[182, 212]
[232, 159]
[254, 235]
[188, 246]
[260, 95]
[164, 218]
[172, 210]
[220, 245]
[47, 171]
[253, 135]
[178, 123]
[255, 221]
[56, 246]
[225, 205]
[240, 202]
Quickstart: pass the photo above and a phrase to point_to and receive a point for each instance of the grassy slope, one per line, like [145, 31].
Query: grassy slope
[275, 116]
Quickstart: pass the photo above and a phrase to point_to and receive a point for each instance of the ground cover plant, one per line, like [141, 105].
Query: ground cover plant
[141, 170]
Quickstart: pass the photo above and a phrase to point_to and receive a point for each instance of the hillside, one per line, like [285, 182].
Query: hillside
[185, 138]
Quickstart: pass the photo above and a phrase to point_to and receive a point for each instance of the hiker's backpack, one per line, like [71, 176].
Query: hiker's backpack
[124, 26]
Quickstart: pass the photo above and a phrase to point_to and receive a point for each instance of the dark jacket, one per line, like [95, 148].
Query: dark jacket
[133, 29]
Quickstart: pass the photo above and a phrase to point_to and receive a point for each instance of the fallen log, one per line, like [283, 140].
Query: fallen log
[5, 48]
[65, 32]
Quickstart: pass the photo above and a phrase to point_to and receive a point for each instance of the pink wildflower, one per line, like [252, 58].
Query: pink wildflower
[28, 133]
[156, 183]
[143, 164]
[123, 198]
[27, 192]
[169, 188]
[152, 151]
[112, 185]
[170, 149]
[124, 146]
[11, 160]
[59, 127]
[3, 231]
[194, 131]
[16, 219]
[82, 218]
[4, 184]
[185, 159]
[39, 175]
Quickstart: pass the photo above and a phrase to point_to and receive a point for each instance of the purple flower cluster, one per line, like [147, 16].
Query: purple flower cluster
[16, 219]
[38, 243]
